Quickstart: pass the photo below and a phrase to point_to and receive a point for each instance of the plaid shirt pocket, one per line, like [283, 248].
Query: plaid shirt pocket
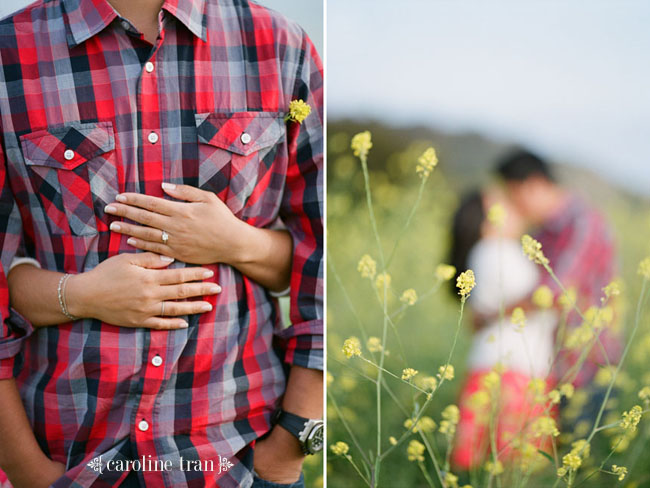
[236, 150]
[73, 171]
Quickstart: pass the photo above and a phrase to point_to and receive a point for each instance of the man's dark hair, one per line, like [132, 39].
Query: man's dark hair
[520, 165]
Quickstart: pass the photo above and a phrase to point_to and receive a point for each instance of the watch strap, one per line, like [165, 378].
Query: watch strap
[291, 422]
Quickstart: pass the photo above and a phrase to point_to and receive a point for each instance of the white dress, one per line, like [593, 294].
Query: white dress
[504, 277]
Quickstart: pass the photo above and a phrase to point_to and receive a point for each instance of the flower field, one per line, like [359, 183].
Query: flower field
[399, 332]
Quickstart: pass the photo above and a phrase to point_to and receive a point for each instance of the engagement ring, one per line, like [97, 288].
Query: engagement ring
[164, 237]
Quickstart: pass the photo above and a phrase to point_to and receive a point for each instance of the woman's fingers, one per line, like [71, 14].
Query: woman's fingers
[183, 275]
[149, 260]
[155, 247]
[146, 202]
[186, 192]
[144, 217]
[161, 323]
[139, 231]
[188, 290]
[186, 308]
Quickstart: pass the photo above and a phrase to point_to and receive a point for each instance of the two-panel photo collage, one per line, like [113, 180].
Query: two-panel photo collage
[324, 243]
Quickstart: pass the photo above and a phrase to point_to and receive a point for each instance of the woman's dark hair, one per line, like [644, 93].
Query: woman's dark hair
[466, 230]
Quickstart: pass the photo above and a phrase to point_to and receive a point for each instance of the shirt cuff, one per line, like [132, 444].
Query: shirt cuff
[19, 330]
[303, 344]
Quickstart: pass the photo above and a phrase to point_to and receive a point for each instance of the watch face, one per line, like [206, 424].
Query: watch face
[314, 442]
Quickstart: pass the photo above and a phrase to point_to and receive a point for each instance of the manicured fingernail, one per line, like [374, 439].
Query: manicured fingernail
[168, 186]
[167, 259]
[206, 307]
[184, 325]
[120, 198]
[215, 289]
[208, 274]
[131, 241]
[115, 226]
[110, 209]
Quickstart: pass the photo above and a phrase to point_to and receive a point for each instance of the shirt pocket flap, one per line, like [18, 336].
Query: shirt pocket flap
[241, 133]
[69, 146]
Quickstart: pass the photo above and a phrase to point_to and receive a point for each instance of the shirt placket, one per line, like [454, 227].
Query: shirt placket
[154, 357]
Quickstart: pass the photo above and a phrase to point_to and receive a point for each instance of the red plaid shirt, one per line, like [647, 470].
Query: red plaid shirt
[75, 76]
[580, 248]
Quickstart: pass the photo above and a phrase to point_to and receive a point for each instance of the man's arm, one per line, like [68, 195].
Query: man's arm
[21, 457]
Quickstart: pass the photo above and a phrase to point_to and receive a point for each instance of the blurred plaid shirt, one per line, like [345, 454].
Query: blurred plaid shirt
[75, 76]
[581, 251]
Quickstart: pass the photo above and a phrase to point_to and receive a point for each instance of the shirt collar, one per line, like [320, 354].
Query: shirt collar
[85, 18]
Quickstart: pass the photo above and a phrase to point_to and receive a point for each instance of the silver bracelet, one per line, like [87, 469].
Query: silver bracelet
[61, 293]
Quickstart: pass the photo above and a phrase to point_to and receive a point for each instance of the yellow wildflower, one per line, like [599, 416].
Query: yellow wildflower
[451, 480]
[425, 424]
[554, 396]
[465, 283]
[491, 380]
[451, 413]
[644, 268]
[644, 394]
[478, 400]
[533, 250]
[298, 111]
[494, 469]
[632, 418]
[409, 297]
[537, 387]
[567, 389]
[340, 448]
[382, 279]
[545, 426]
[543, 297]
[330, 378]
[581, 447]
[446, 372]
[352, 347]
[518, 318]
[571, 461]
[426, 382]
[415, 451]
[392, 440]
[361, 144]
[408, 373]
[620, 471]
[612, 290]
[367, 267]
[568, 299]
[496, 215]
[426, 162]
[374, 344]
[445, 272]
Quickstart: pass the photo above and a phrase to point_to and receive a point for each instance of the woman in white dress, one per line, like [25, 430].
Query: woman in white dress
[505, 358]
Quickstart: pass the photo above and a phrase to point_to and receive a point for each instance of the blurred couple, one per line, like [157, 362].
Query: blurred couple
[514, 359]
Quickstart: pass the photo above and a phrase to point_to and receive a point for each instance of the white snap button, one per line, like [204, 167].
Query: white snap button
[68, 154]
[149, 66]
[245, 138]
[143, 425]
[153, 137]
[126, 25]
[156, 361]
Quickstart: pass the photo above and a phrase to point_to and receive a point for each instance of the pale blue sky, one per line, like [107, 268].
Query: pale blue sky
[569, 78]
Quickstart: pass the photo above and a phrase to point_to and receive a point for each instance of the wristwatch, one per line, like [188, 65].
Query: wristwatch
[308, 431]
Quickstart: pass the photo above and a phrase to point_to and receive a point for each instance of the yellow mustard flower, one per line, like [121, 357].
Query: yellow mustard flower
[620, 471]
[340, 448]
[494, 468]
[426, 162]
[567, 389]
[543, 297]
[533, 250]
[408, 373]
[445, 272]
[451, 480]
[632, 418]
[361, 144]
[415, 451]
[298, 111]
[367, 267]
[644, 394]
[644, 268]
[383, 279]
[465, 283]
[409, 297]
[544, 426]
[613, 289]
[352, 347]
[496, 215]
[426, 382]
[518, 318]
[568, 299]
[374, 344]
[446, 371]
[392, 441]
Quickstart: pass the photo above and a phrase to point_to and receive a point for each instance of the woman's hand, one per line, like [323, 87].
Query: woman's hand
[201, 229]
[130, 290]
